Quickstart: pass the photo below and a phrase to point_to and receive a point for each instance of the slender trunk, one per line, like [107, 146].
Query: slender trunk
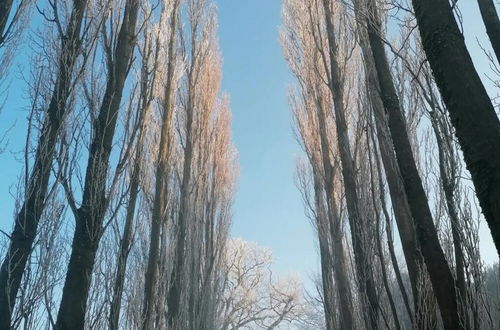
[388, 231]
[437, 266]
[347, 320]
[175, 290]
[26, 221]
[379, 240]
[324, 251]
[126, 241]
[327, 285]
[339, 267]
[125, 246]
[367, 285]
[147, 86]
[492, 24]
[448, 185]
[152, 267]
[394, 260]
[472, 114]
[327, 282]
[160, 200]
[401, 208]
[90, 216]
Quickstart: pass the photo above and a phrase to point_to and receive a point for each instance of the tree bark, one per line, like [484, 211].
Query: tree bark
[472, 114]
[402, 212]
[367, 285]
[125, 245]
[325, 256]
[90, 216]
[492, 24]
[339, 267]
[26, 221]
[135, 180]
[379, 240]
[439, 271]
[447, 176]
[175, 291]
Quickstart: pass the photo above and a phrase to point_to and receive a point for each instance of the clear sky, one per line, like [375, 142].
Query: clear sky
[268, 208]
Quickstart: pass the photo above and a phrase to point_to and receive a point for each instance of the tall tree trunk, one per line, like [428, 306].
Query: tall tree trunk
[379, 239]
[339, 267]
[447, 176]
[175, 291]
[472, 114]
[390, 239]
[439, 271]
[26, 221]
[160, 200]
[399, 200]
[327, 282]
[125, 245]
[90, 216]
[367, 285]
[324, 252]
[492, 24]
[392, 252]
[402, 212]
[147, 85]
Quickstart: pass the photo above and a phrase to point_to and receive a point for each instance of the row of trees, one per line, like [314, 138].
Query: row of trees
[124, 206]
[372, 118]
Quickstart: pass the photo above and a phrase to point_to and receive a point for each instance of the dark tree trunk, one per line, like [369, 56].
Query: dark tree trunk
[447, 173]
[440, 273]
[90, 216]
[325, 254]
[402, 212]
[367, 285]
[126, 241]
[378, 238]
[388, 228]
[472, 114]
[492, 24]
[392, 254]
[327, 285]
[26, 221]
[125, 245]
[146, 97]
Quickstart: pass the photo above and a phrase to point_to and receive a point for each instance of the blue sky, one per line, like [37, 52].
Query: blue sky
[268, 208]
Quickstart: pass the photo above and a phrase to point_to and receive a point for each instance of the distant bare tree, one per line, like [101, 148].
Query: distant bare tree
[252, 298]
